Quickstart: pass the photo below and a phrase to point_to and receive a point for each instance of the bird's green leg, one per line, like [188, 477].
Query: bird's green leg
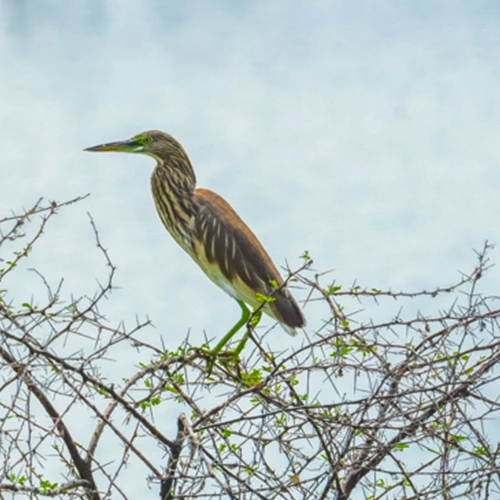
[242, 344]
[245, 316]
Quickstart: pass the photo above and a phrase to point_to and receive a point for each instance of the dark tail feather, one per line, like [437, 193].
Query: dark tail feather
[287, 311]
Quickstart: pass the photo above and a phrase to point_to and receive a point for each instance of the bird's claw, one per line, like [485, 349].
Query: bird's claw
[225, 358]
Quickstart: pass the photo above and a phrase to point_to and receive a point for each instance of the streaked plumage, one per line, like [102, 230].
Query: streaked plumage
[209, 230]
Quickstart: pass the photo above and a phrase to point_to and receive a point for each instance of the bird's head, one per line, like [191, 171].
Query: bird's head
[154, 143]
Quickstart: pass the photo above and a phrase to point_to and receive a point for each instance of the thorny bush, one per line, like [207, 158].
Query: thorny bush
[401, 407]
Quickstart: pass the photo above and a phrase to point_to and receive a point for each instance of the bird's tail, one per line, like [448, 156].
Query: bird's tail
[287, 311]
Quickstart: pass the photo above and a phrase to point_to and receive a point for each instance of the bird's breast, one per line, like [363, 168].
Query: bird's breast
[175, 212]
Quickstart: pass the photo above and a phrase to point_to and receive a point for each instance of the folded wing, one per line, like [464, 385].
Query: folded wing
[229, 244]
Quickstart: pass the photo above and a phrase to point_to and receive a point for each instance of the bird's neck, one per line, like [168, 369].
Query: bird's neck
[173, 184]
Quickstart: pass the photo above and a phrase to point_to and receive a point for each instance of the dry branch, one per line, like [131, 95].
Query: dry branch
[398, 408]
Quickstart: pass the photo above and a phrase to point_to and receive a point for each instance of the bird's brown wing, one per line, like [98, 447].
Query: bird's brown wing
[229, 243]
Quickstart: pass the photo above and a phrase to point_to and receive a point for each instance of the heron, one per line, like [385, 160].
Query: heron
[213, 235]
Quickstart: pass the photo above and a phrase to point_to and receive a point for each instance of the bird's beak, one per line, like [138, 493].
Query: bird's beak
[130, 146]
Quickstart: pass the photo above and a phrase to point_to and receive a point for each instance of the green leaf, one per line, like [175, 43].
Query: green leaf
[257, 315]
[251, 470]
[305, 255]
[401, 446]
[47, 485]
[263, 298]
[252, 378]
[274, 283]
[456, 438]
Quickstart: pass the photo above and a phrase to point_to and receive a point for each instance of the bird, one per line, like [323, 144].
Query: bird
[212, 234]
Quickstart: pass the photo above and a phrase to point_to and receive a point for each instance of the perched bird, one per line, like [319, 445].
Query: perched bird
[212, 233]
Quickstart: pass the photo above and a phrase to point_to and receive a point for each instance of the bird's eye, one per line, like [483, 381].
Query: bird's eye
[147, 140]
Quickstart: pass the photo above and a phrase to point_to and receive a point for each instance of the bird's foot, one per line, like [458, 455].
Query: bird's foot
[227, 359]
